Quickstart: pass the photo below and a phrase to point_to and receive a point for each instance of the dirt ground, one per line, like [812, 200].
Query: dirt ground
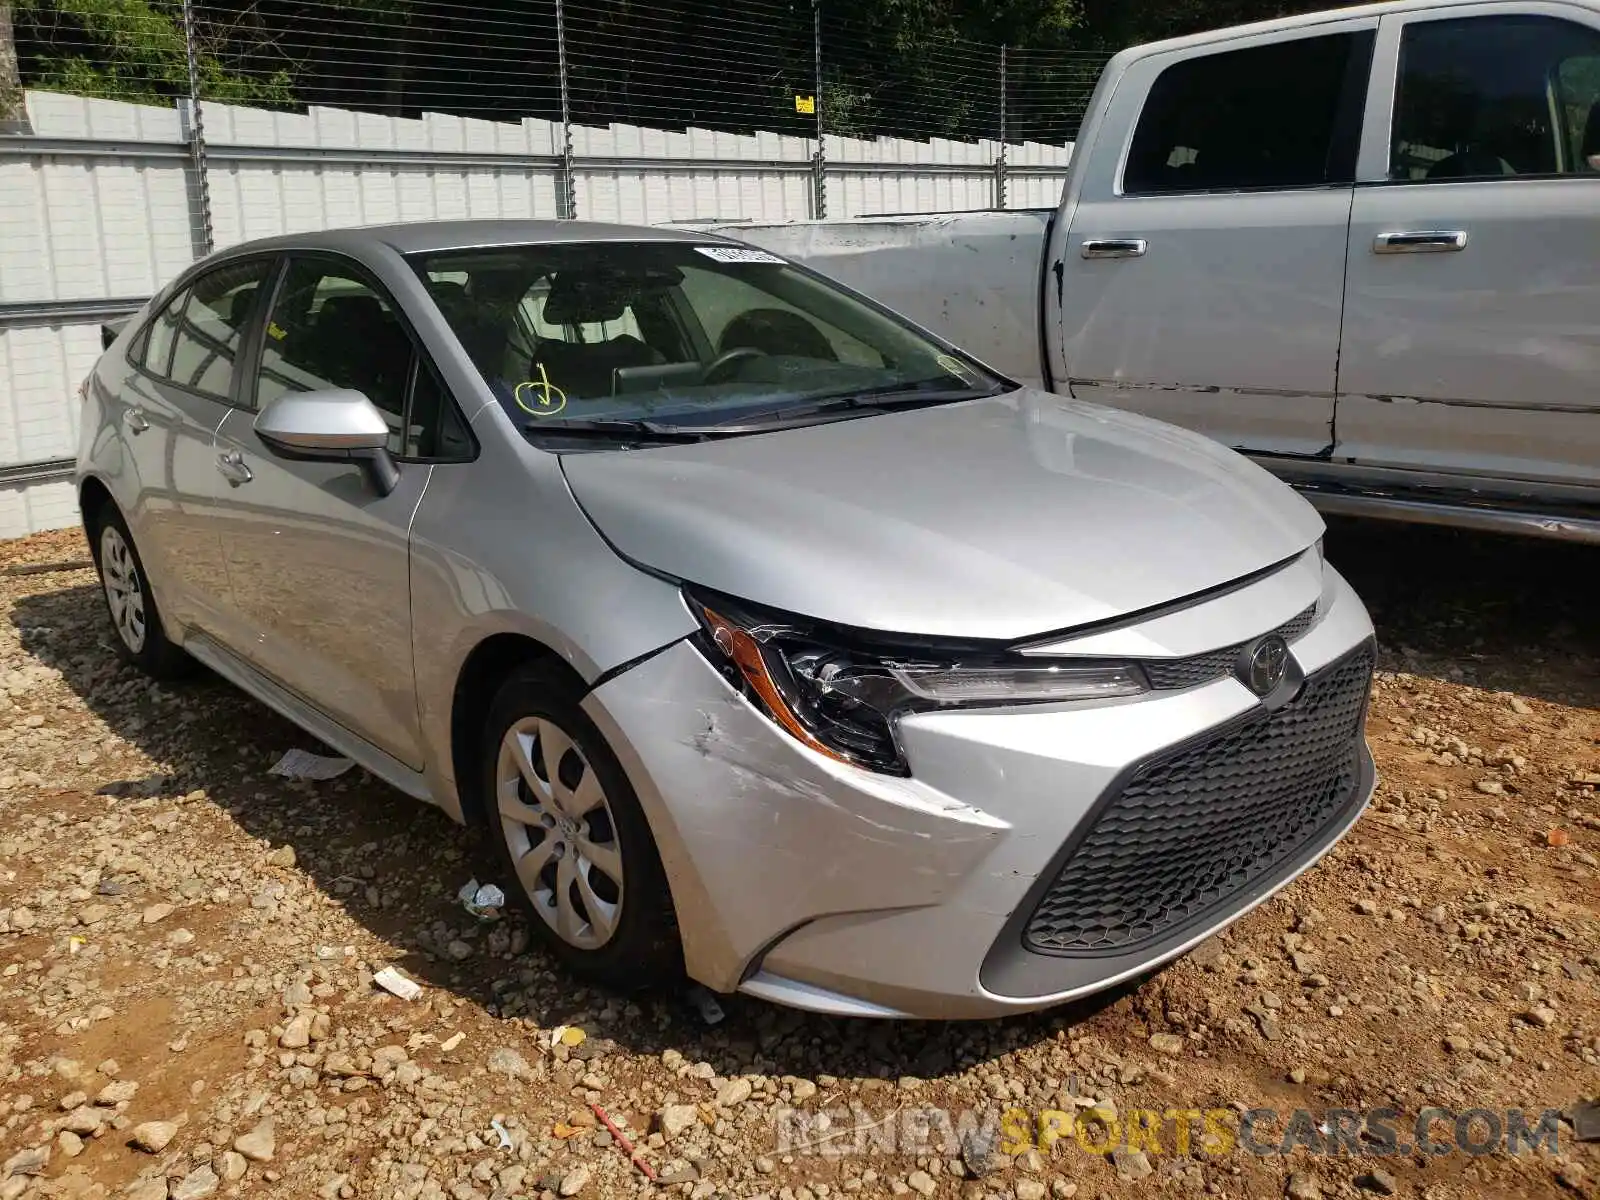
[187, 946]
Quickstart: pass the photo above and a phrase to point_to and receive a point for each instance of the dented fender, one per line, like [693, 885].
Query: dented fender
[759, 834]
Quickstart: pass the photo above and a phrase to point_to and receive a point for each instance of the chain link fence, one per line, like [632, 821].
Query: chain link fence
[826, 71]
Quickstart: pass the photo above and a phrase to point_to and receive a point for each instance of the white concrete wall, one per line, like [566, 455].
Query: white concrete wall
[116, 226]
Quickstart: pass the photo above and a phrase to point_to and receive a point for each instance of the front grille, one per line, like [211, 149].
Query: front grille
[1195, 827]
[1165, 675]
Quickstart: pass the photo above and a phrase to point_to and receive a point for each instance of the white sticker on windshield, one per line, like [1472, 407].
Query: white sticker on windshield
[738, 254]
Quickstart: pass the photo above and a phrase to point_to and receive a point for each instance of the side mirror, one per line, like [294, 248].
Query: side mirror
[336, 425]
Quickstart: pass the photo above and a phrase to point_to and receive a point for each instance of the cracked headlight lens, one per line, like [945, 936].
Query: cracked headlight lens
[842, 699]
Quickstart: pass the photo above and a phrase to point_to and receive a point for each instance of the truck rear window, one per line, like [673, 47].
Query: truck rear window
[1277, 116]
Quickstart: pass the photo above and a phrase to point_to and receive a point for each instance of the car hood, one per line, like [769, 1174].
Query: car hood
[1007, 517]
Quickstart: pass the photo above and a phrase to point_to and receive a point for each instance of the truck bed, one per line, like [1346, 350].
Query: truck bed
[972, 278]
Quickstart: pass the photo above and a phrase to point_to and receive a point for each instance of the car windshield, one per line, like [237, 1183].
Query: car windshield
[673, 337]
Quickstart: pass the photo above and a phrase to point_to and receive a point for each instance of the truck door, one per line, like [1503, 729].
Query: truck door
[1472, 323]
[1201, 276]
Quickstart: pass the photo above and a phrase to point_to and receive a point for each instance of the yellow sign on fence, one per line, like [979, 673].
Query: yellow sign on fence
[805, 104]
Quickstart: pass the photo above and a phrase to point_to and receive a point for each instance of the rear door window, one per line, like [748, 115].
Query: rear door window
[163, 331]
[1488, 97]
[1283, 115]
[207, 334]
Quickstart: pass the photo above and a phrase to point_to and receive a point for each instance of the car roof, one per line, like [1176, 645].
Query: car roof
[422, 237]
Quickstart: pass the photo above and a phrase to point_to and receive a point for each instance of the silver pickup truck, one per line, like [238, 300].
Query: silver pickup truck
[1361, 246]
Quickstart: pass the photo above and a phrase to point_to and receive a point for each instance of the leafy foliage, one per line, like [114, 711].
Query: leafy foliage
[134, 50]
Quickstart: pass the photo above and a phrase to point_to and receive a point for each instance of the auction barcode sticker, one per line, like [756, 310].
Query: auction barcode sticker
[738, 254]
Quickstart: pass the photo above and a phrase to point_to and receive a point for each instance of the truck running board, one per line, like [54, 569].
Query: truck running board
[1564, 512]
[1485, 519]
[1453, 511]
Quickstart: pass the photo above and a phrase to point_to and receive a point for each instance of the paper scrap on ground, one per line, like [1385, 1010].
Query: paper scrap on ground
[397, 984]
[505, 1138]
[451, 1042]
[710, 1011]
[302, 764]
[482, 901]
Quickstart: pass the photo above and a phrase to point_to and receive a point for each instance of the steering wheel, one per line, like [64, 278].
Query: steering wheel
[726, 359]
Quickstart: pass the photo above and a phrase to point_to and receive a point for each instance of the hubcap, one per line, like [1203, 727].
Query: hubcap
[124, 596]
[558, 826]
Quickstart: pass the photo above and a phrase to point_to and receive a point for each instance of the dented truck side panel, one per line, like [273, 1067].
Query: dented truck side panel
[1278, 320]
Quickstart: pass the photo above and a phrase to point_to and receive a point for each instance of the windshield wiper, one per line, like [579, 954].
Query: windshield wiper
[926, 392]
[856, 404]
[640, 431]
[628, 430]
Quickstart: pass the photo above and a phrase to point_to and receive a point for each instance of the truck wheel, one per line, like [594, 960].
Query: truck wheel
[568, 828]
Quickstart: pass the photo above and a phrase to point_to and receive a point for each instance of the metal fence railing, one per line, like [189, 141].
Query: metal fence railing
[137, 135]
[817, 69]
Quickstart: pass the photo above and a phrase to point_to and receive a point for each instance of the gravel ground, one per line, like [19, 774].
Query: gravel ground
[187, 947]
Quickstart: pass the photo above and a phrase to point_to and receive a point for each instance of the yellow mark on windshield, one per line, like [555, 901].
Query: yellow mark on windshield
[548, 399]
[276, 332]
[959, 369]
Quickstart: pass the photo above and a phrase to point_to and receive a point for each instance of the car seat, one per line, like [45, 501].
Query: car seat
[586, 368]
[359, 345]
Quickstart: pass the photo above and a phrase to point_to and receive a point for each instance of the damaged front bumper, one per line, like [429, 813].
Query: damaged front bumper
[825, 886]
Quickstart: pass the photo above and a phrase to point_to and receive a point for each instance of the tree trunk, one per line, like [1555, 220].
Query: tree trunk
[11, 108]
[394, 81]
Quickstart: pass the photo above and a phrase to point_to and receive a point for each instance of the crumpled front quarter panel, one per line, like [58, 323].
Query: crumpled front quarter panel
[499, 546]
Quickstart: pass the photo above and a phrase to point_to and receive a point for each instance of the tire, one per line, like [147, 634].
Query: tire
[582, 837]
[136, 628]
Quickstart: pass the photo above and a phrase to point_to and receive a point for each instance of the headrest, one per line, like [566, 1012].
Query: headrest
[586, 299]
[1591, 134]
[590, 296]
[239, 306]
[355, 311]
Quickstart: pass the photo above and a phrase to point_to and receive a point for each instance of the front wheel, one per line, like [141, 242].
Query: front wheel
[568, 828]
[135, 620]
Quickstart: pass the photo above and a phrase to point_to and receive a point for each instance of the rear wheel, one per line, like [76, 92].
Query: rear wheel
[570, 832]
[135, 620]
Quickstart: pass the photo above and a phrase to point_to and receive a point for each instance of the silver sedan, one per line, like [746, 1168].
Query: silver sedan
[772, 640]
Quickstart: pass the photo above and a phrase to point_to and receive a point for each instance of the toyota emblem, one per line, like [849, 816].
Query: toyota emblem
[1265, 664]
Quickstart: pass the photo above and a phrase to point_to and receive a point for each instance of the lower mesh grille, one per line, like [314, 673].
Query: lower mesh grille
[1166, 674]
[1195, 827]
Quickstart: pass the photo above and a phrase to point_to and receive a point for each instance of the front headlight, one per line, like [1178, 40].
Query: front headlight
[842, 696]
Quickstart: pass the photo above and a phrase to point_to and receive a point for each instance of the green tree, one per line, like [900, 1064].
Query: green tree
[10, 78]
[134, 50]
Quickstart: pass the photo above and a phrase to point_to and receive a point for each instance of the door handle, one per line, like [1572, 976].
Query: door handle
[233, 468]
[1114, 247]
[134, 419]
[1420, 241]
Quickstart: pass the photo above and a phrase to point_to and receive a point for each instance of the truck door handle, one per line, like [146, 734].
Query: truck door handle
[1420, 241]
[134, 419]
[232, 466]
[1114, 247]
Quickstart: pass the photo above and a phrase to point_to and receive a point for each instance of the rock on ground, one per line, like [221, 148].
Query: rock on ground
[188, 947]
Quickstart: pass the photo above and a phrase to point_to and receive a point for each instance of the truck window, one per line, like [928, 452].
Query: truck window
[1283, 115]
[1481, 97]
